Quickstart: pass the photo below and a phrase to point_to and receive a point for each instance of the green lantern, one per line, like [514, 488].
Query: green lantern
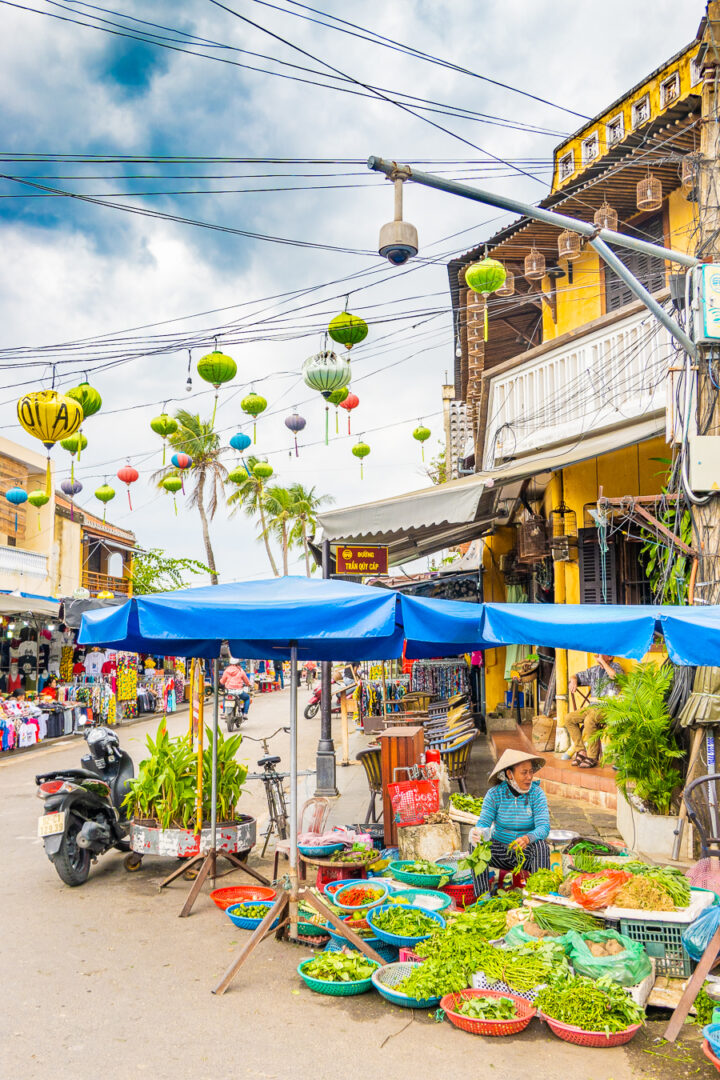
[105, 494]
[173, 485]
[326, 372]
[263, 470]
[422, 433]
[38, 498]
[347, 329]
[87, 397]
[74, 444]
[336, 398]
[238, 475]
[164, 425]
[216, 368]
[361, 450]
[254, 404]
[485, 277]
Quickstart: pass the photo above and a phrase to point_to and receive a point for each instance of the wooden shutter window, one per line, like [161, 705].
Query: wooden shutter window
[590, 564]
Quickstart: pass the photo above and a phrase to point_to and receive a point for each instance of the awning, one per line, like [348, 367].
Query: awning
[20, 603]
[444, 515]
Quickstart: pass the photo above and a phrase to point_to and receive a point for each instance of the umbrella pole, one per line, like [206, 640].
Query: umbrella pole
[213, 773]
[293, 792]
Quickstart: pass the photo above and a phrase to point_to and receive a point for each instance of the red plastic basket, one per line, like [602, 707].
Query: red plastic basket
[239, 894]
[326, 874]
[461, 895]
[413, 800]
[590, 1038]
[707, 1051]
[525, 1013]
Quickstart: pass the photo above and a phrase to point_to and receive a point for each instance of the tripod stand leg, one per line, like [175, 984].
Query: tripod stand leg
[208, 867]
[185, 865]
[340, 926]
[256, 937]
[231, 857]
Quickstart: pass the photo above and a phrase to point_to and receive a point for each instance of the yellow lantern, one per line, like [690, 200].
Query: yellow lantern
[49, 417]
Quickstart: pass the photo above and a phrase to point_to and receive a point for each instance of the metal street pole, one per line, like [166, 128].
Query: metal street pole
[325, 760]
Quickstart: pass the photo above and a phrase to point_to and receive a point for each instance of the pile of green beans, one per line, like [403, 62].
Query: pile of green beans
[590, 1004]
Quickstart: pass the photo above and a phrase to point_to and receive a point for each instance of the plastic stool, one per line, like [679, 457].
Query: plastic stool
[518, 878]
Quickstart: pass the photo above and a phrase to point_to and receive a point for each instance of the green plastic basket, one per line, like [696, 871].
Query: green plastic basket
[662, 942]
[423, 881]
[336, 989]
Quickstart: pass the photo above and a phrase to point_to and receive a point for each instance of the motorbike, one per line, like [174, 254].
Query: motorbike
[236, 715]
[83, 815]
[313, 706]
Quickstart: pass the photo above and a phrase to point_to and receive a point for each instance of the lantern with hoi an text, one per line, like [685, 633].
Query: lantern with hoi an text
[49, 417]
[17, 496]
[173, 485]
[347, 329]
[361, 450]
[105, 494]
[216, 368]
[485, 277]
[351, 402]
[182, 462]
[240, 441]
[38, 499]
[422, 433]
[295, 423]
[128, 475]
[164, 425]
[253, 404]
[74, 444]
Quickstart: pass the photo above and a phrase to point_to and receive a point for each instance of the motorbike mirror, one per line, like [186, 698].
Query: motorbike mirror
[286, 730]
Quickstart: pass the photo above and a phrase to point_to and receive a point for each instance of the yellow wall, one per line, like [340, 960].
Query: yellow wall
[577, 303]
[67, 551]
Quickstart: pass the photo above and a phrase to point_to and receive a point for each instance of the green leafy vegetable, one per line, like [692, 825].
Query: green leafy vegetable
[544, 881]
[340, 967]
[557, 919]
[468, 803]
[478, 860]
[599, 1005]
[486, 1008]
[403, 921]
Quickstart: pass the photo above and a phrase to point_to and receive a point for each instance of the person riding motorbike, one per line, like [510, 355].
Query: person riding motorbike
[235, 680]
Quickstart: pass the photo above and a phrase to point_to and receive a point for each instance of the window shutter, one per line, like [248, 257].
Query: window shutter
[647, 270]
[590, 564]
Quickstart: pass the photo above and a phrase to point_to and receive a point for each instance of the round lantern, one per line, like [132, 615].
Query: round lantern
[238, 475]
[336, 398]
[128, 475]
[164, 425]
[325, 372]
[422, 433]
[216, 368]
[240, 442]
[105, 493]
[74, 444]
[88, 398]
[348, 330]
[182, 462]
[71, 489]
[253, 404]
[17, 496]
[534, 265]
[485, 277]
[351, 402]
[173, 485]
[38, 499]
[263, 470]
[361, 450]
[295, 422]
[50, 417]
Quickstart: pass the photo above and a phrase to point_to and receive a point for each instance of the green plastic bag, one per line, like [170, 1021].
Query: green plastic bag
[517, 936]
[628, 967]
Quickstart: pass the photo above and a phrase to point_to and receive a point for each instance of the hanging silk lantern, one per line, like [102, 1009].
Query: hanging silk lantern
[182, 462]
[422, 433]
[50, 417]
[336, 398]
[295, 422]
[351, 402]
[105, 494]
[164, 425]
[361, 450]
[17, 496]
[325, 372]
[173, 485]
[128, 475]
[263, 470]
[88, 398]
[238, 475]
[240, 442]
[216, 368]
[348, 330]
[74, 444]
[253, 404]
[71, 489]
[485, 277]
[38, 499]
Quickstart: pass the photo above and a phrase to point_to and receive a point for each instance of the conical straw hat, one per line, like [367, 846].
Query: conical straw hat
[509, 758]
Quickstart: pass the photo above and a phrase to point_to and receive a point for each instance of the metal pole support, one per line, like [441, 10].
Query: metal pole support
[325, 760]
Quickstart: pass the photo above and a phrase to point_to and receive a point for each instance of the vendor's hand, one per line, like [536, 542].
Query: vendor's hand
[522, 842]
[476, 836]
[573, 684]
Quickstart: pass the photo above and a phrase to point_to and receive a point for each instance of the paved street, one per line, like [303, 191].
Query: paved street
[106, 981]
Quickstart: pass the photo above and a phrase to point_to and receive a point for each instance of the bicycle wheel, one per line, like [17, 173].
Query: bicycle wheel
[277, 808]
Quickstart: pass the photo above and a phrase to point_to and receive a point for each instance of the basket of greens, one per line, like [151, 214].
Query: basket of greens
[339, 974]
[403, 926]
[485, 1012]
[395, 983]
[422, 873]
[590, 1012]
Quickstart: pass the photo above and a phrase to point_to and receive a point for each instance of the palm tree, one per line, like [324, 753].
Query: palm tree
[281, 510]
[306, 504]
[250, 495]
[201, 442]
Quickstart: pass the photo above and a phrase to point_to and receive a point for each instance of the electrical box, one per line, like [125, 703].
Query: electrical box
[704, 462]
[706, 303]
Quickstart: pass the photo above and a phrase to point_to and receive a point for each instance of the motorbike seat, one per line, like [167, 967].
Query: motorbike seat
[269, 760]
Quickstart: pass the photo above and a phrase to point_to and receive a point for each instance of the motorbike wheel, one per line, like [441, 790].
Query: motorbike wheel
[311, 711]
[230, 723]
[72, 862]
[132, 862]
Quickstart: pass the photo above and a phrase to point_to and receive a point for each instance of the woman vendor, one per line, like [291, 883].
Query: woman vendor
[514, 811]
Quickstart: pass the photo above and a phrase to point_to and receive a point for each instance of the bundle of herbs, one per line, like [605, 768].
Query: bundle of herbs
[486, 1008]
[453, 954]
[598, 1005]
[469, 804]
[403, 921]
[340, 967]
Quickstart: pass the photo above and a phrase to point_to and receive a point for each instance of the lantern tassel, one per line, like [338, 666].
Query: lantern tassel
[254, 432]
[296, 448]
[39, 521]
[327, 422]
[48, 479]
[182, 484]
[175, 504]
[212, 422]
[337, 429]
[164, 451]
[79, 443]
[72, 469]
[349, 432]
[422, 450]
[16, 522]
[72, 510]
[104, 512]
[486, 319]
[362, 474]
[129, 500]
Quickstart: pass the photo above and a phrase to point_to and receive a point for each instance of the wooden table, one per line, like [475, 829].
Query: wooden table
[401, 748]
[306, 860]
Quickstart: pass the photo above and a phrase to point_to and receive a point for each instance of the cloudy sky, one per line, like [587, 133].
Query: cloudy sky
[126, 104]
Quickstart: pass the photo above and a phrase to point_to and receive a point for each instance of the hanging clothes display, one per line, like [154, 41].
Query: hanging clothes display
[442, 678]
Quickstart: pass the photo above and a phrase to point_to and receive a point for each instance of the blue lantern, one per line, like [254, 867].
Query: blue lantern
[17, 497]
[240, 441]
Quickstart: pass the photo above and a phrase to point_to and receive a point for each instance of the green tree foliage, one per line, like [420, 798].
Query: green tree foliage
[155, 571]
[250, 497]
[437, 467]
[306, 504]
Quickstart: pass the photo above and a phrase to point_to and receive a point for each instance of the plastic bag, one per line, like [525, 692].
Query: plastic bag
[516, 935]
[628, 967]
[600, 895]
[699, 934]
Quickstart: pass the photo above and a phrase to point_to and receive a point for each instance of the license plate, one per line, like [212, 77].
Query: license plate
[49, 824]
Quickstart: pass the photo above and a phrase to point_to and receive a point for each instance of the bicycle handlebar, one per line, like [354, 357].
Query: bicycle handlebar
[265, 738]
[282, 775]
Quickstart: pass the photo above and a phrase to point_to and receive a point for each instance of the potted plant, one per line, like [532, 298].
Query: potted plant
[639, 743]
[162, 798]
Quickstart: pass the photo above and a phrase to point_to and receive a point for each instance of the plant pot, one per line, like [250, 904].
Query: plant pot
[147, 838]
[651, 834]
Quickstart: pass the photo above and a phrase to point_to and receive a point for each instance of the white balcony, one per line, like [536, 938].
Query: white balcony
[604, 378]
[17, 561]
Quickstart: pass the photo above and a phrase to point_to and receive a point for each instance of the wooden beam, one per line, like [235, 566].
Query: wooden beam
[517, 330]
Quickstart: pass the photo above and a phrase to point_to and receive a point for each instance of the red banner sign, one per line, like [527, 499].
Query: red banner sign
[361, 560]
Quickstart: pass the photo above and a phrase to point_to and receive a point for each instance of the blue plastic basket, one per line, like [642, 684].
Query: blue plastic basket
[320, 852]
[396, 939]
[331, 888]
[440, 901]
[712, 1034]
[388, 976]
[377, 885]
[234, 913]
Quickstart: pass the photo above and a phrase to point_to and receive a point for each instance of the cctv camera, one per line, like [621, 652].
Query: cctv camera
[398, 242]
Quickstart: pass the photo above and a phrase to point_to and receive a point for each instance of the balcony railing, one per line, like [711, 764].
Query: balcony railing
[595, 381]
[98, 583]
[17, 561]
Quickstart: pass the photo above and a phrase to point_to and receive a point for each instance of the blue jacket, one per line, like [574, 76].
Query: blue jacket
[515, 816]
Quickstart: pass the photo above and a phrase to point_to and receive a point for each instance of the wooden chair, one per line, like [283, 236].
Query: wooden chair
[456, 759]
[318, 810]
[370, 761]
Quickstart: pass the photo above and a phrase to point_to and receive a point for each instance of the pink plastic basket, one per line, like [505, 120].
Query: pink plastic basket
[589, 1038]
[409, 957]
[525, 1013]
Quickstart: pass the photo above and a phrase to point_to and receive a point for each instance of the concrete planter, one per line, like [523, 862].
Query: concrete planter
[651, 834]
[146, 838]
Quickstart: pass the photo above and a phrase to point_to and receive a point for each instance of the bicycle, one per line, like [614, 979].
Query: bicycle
[278, 818]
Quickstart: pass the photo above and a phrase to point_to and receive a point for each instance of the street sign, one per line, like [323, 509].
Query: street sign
[357, 561]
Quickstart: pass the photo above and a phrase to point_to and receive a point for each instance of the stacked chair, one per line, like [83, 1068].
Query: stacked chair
[453, 735]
